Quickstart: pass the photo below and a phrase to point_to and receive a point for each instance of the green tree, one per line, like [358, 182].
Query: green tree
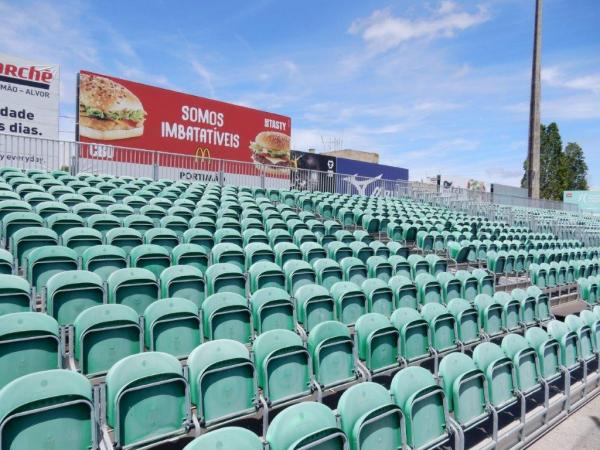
[559, 170]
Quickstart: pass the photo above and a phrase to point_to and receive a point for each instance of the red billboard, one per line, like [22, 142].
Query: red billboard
[123, 113]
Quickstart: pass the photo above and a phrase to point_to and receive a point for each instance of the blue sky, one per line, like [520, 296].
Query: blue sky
[436, 86]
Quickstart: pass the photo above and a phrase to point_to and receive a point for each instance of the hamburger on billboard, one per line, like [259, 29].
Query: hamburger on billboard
[123, 113]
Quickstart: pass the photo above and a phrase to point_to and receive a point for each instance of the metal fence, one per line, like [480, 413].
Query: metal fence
[102, 158]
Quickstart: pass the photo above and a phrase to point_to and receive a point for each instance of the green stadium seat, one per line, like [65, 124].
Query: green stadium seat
[405, 292]
[228, 235]
[377, 342]
[511, 310]
[138, 222]
[451, 286]
[225, 277]
[361, 250]
[298, 273]
[192, 255]
[29, 342]
[15, 294]
[26, 239]
[16, 220]
[331, 351]
[338, 251]
[311, 252]
[162, 237]
[314, 305]
[350, 302]
[527, 306]
[490, 314]
[257, 251]
[286, 251]
[428, 289]
[200, 237]
[46, 209]
[467, 320]
[172, 325]
[591, 320]
[442, 327]
[225, 315]
[80, 238]
[154, 258]
[547, 349]
[370, 419]
[183, 281]
[133, 287]
[103, 335]
[103, 222]
[43, 262]
[380, 298]
[470, 284]
[36, 411]
[568, 341]
[328, 272]
[265, 274]
[525, 362]
[225, 438]
[272, 309]
[147, 399]
[542, 311]
[228, 253]
[103, 260]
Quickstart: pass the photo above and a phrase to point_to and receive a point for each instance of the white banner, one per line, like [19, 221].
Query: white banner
[29, 98]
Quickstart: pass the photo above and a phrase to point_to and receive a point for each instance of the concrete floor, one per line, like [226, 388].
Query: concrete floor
[580, 431]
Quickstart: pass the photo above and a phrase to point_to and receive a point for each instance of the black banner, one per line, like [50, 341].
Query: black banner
[317, 174]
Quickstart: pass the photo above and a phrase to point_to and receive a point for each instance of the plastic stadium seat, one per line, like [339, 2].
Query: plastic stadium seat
[423, 404]
[442, 326]
[6, 262]
[451, 286]
[226, 315]
[547, 350]
[428, 289]
[464, 386]
[81, 238]
[470, 284]
[331, 351]
[485, 282]
[228, 253]
[228, 235]
[87, 210]
[592, 321]
[26, 239]
[414, 333]
[588, 289]
[361, 250]
[152, 257]
[46, 209]
[377, 342]
[467, 320]
[312, 252]
[298, 273]
[222, 381]
[37, 409]
[146, 399]
[339, 251]
[272, 308]
[163, 237]
[568, 341]
[15, 294]
[9, 206]
[380, 298]
[133, 287]
[68, 293]
[258, 251]
[498, 369]
[172, 325]
[527, 306]
[103, 260]
[103, 222]
[265, 274]
[511, 316]
[124, 238]
[29, 342]
[16, 220]
[542, 304]
[183, 282]
[328, 272]
[350, 302]
[43, 262]
[225, 277]
[305, 425]
[490, 314]
[397, 249]
[226, 438]
[405, 292]
[282, 364]
[525, 362]
[200, 237]
[370, 419]
[103, 335]
[62, 222]
[314, 305]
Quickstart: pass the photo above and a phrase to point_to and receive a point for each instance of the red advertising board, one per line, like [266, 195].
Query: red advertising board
[118, 112]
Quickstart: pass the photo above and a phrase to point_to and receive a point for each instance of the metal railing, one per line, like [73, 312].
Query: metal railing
[104, 158]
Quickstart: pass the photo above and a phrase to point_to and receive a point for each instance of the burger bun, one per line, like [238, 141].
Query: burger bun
[110, 135]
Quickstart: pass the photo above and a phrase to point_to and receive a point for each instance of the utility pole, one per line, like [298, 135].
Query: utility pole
[533, 169]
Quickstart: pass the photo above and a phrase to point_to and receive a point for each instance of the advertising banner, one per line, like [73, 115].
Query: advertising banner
[369, 179]
[117, 112]
[316, 172]
[587, 201]
[29, 104]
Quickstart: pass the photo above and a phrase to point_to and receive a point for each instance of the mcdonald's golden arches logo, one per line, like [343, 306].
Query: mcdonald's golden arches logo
[202, 153]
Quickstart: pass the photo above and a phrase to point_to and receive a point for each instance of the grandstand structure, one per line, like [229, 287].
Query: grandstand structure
[237, 313]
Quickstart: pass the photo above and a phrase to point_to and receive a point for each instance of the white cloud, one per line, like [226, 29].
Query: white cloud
[556, 77]
[204, 75]
[382, 31]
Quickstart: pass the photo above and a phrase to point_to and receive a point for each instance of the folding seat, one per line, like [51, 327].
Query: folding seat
[548, 350]
[592, 320]
[542, 308]
[436, 264]
[362, 236]
[43, 262]
[152, 257]
[525, 362]
[138, 222]
[465, 388]
[370, 419]
[17, 220]
[569, 343]
[380, 249]
[314, 305]
[377, 342]
[311, 252]
[272, 309]
[103, 222]
[199, 237]
[298, 273]
[183, 281]
[226, 315]
[418, 265]
[442, 327]
[379, 267]
[133, 287]
[305, 425]
[29, 342]
[61, 222]
[163, 237]
[338, 251]
[538, 275]
[490, 313]
[428, 289]
[87, 210]
[361, 251]
[228, 235]
[172, 325]
[203, 222]
[254, 236]
[36, 409]
[400, 266]
[414, 334]
[551, 274]
[350, 302]
[35, 198]
[275, 223]
[192, 255]
[15, 294]
[68, 293]
[354, 270]
[404, 291]
[527, 306]
[460, 253]
[146, 399]
[26, 239]
[423, 405]
[450, 285]
[265, 274]
[586, 350]
[46, 209]
[588, 289]
[424, 241]
[9, 206]
[511, 311]
[81, 238]
[224, 277]
[467, 320]
[331, 350]
[380, 298]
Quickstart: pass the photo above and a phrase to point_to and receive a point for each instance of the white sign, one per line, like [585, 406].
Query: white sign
[29, 98]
